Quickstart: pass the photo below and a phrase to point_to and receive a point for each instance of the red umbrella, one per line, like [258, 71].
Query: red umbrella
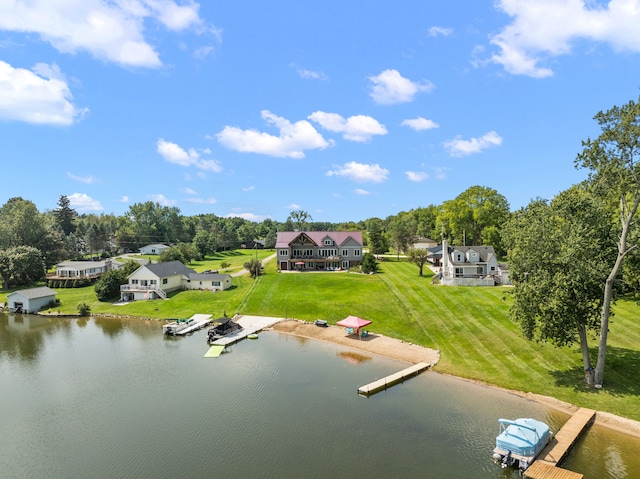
[354, 322]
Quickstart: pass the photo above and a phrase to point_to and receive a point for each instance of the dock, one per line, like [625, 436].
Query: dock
[250, 325]
[546, 466]
[200, 321]
[400, 376]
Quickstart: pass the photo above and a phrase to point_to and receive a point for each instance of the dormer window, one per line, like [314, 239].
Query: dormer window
[328, 242]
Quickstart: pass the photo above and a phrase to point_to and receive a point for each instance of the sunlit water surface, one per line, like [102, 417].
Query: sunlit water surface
[107, 398]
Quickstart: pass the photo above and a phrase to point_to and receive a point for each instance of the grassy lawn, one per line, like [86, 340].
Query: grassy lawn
[236, 259]
[469, 325]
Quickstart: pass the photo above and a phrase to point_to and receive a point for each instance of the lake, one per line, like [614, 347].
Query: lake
[106, 398]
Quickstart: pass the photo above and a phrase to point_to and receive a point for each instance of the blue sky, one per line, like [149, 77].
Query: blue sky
[347, 110]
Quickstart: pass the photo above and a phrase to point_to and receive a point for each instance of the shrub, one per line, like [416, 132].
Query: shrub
[83, 309]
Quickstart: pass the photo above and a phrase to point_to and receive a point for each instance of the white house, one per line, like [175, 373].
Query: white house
[83, 269]
[30, 300]
[471, 266]
[154, 249]
[153, 281]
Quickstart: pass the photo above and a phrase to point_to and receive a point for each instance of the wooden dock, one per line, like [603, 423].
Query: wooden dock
[546, 466]
[392, 379]
[250, 325]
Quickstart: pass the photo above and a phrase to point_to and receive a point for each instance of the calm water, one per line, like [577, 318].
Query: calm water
[110, 398]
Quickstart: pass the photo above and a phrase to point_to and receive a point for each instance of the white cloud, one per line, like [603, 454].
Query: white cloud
[292, 141]
[444, 31]
[82, 179]
[83, 202]
[248, 188]
[460, 147]
[189, 191]
[416, 176]
[38, 96]
[124, 199]
[108, 30]
[202, 201]
[248, 216]
[293, 206]
[390, 88]
[310, 74]
[359, 128]
[420, 124]
[547, 28]
[161, 200]
[361, 172]
[360, 191]
[440, 172]
[173, 153]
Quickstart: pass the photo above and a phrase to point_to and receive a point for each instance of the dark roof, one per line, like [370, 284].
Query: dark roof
[208, 276]
[169, 268]
[32, 293]
[285, 238]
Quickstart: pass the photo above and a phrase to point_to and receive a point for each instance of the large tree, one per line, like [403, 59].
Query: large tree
[65, 215]
[377, 241]
[613, 159]
[21, 265]
[556, 253]
[299, 218]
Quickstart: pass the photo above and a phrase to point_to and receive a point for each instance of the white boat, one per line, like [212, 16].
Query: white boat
[520, 441]
[175, 326]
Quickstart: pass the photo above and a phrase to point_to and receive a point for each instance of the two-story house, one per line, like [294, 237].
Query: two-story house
[155, 280]
[470, 266]
[318, 250]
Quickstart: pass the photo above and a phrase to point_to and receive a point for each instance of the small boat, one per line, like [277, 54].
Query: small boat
[520, 441]
[252, 336]
[222, 327]
[177, 325]
[321, 322]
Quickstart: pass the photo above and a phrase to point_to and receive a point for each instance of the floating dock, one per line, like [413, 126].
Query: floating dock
[250, 325]
[200, 321]
[392, 379]
[546, 466]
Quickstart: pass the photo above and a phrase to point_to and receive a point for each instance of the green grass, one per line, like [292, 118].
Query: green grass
[469, 325]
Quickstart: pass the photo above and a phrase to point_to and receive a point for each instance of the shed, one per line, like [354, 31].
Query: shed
[30, 300]
[154, 248]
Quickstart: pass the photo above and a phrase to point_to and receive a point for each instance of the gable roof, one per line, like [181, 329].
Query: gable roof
[32, 293]
[208, 277]
[82, 264]
[285, 238]
[157, 246]
[169, 268]
[485, 252]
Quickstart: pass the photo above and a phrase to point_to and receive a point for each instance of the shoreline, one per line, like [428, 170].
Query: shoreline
[391, 348]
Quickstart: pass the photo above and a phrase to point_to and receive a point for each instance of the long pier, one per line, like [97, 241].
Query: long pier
[384, 383]
[200, 321]
[546, 466]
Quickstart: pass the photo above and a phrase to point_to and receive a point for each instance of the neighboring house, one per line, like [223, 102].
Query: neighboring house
[470, 266]
[318, 250]
[153, 281]
[83, 269]
[154, 249]
[424, 243]
[30, 300]
[255, 244]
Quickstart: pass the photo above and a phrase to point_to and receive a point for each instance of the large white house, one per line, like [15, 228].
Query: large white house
[318, 250]
[471, 266]
[155, 280]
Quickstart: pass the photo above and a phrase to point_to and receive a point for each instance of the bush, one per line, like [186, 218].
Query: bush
[108, 286]
[84, 309]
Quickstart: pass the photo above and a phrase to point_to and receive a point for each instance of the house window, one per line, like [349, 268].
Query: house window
[284, 252]
[310, 264]
[459, 272]
[153, 281]
[165, 280]
[296, 252]
[134, 281]
[480, 270]
[345, 265]
[328, 242]
[493, 268]
[215, 283]
[308, 252]
[356, 252]
[345, 252]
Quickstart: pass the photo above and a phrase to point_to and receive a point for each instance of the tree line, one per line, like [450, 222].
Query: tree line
[570, 257]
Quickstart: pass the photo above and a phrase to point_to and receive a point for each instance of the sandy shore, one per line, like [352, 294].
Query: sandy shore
[380, 345]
